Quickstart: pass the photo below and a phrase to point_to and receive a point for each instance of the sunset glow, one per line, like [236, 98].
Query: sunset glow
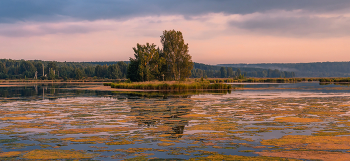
[282, 32]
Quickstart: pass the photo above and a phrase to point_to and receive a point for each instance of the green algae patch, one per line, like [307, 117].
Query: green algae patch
[310, 155]
[139, 158]
[22, 125]
[331, 133]
[215, 126]
[220, 157]
[11, 154]
[89, 139]
[16, 118]
[134, 150]
[209, 128]
[310, 142]
[297, 119]
[195, 116]
[8, 140]
[17, 145]
[90, 130]
[124, 142]
[57, 154]
[166, 144]
[159, 129]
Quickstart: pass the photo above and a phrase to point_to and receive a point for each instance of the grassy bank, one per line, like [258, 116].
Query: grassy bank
[277, 80]
[260, 80]
[337, 80]
[171, 86]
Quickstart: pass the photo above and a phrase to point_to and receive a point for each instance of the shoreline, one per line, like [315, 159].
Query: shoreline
[109, 88]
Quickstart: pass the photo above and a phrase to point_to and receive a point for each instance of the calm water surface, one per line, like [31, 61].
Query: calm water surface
[304, 121]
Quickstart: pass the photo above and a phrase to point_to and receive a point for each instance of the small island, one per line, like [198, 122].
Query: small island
[166, 68]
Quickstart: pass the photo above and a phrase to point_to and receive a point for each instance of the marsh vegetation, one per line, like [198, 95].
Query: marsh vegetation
[304, 121]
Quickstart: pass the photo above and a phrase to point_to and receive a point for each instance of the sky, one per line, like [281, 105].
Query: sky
[217, 31]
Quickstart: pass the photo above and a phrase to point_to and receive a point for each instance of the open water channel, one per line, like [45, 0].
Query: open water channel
[300, 121]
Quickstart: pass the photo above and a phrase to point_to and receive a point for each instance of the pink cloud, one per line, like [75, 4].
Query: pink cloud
[211, 39]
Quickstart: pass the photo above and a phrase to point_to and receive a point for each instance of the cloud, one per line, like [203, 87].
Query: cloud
[207, 35]
[29, 29]
[294, 24]
[297, 24]
[53, 10]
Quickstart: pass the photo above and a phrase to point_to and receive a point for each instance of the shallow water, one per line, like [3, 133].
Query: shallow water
[259, 121]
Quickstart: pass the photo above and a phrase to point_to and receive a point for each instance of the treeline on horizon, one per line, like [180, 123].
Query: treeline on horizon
[315, 69]
[22, 69]
[209, 71]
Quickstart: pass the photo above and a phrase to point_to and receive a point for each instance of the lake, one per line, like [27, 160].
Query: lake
[306, 121]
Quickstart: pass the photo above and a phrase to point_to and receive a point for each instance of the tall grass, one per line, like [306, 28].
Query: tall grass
[334, 80]
[178, 86]
[258, 80]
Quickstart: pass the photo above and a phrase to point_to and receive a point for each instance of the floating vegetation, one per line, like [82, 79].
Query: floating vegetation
[311, 155]
[16, 118]
[166, 144]
[241, 158]
[8, 140]
[297, 119]
[124, 142]
[89, 139]
[248, 125]
[310, 142]
[90, 130]
[10, 154]
[57, 154]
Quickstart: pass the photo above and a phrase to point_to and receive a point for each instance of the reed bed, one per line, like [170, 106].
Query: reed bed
[339, 80]
[260, 80]
[171, 86]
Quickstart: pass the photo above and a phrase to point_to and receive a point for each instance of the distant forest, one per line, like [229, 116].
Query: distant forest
[210, 71]
[317, 69]
[22, 69]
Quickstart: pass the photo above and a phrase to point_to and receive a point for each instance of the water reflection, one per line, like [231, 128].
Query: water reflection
[158, 112]
[143, 125]
[55, 91]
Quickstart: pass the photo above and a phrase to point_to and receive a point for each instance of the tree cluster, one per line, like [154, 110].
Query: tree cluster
[171, 62]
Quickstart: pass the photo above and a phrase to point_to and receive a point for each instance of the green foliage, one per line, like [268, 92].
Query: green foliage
[89, 71]
[223, 72]
[2, 68]
[202, 70]
[123, 68]
[132, 71]
[51, 75]
[151, 63]
[52, 65]
[21, 69]
[78, 73]
[114, 71]
[145, 65]
[178, 61]
[101, 71]
[317, 69]
[338, 80]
